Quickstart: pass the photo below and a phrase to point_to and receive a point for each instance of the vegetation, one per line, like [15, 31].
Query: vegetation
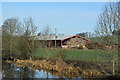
[73, 54]
[108, 22]
[18, 40]
[18, 37]
[60, 67]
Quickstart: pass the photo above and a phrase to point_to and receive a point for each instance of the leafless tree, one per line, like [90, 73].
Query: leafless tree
[108, 21]
[46, 32]
[46, 35]
[28, 39]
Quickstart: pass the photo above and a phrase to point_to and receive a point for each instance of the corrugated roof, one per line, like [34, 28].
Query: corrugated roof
[52, 37]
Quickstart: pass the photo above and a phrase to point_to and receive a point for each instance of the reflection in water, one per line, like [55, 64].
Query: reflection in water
[43, 74]
[12, 71]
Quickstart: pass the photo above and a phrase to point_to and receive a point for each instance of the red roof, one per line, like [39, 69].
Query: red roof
[77, 36]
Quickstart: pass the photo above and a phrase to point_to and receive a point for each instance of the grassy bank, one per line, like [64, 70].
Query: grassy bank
[74, 54]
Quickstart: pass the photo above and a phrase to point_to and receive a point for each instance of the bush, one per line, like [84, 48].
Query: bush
[95, 45]
[90, 46]
[80, 47]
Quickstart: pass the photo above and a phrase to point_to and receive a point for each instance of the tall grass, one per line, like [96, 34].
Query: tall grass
[74, 54]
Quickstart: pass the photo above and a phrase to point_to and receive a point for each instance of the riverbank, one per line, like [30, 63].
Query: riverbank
[68, 69]
[84, 60]
[58, 68]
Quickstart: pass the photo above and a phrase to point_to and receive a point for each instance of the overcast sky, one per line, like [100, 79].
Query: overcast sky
[66, 17]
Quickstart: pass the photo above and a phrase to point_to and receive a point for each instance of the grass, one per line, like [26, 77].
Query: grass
[103, 39]
[74, 54]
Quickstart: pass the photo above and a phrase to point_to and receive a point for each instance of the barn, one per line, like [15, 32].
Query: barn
[74, 41]
[64, 41]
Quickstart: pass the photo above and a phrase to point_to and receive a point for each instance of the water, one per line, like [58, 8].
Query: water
[12, 71]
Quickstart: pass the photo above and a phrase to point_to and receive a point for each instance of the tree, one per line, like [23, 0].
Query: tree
[81, 34]
[9, 33]
[17, 38]
[39, 34]
[108, 22]
[0, 39]
[46, 35]
[28, 38]
[46, 32]
[116, 32]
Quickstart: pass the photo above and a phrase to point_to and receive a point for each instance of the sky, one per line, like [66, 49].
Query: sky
[57, 0]
[67, 17]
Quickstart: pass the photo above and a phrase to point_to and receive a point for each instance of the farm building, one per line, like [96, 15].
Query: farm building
[64, 41]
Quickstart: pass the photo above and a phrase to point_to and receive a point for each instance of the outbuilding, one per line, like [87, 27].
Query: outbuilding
[64, 41]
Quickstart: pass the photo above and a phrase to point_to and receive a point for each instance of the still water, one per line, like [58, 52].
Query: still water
[12, 71]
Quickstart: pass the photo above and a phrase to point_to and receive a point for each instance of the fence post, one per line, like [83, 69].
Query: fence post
[113, 67]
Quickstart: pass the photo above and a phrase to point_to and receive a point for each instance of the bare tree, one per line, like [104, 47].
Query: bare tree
[28, 37]
[108, 21]
[46, 35]
[46, 32]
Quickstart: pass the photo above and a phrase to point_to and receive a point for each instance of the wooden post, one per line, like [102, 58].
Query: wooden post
[61, 43]
[55, 37]
[113, 65]
[117, 63]
[49, 44]
[55, 42]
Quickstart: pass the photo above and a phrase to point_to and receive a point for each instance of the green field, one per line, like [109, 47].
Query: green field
[74, 54]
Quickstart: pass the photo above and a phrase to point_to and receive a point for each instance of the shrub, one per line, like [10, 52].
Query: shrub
[80, 47]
